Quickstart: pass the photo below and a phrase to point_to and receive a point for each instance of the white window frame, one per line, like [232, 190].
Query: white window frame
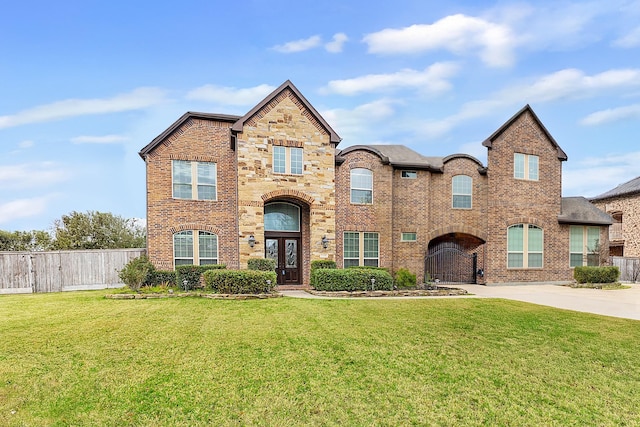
[357, 171]
[363, 259]
[195, 185]
[409, 236]
[585, 242]
[456, 190]
[530, 164]
[196, 259]
[406, 174]
[292, 166]
[525, 250]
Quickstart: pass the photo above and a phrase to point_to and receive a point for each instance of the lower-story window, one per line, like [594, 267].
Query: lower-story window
[524, 246]
[193, 247]
[361, 249]
[584, 246]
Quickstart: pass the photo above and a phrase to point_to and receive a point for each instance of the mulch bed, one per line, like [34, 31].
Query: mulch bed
[439, 292]
[194, 294]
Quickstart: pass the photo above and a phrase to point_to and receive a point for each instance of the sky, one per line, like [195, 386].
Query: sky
[84, 85]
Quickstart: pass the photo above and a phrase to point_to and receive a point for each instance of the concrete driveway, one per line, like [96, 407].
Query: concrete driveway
[623, 303]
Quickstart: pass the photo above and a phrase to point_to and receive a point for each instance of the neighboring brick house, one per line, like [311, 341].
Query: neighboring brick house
[623, 204]
[272, 183]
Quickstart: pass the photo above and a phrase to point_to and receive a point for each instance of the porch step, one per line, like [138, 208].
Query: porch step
[293, 288]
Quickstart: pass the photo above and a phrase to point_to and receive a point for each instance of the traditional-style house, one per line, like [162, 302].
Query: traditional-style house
[273, 183]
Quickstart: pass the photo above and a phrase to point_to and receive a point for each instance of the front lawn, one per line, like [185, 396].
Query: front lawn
[80, 359]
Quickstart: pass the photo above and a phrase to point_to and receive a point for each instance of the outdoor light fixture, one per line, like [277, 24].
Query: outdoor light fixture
[252, 240]
[325, 242]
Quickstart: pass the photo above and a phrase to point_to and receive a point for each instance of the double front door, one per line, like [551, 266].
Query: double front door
[285, 250]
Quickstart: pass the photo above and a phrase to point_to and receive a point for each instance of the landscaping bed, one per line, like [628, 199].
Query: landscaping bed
[192, 294]
[437, 292]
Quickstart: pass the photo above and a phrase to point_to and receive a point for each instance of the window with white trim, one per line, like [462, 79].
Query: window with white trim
[287, 160]
[194, 180]
[361, 249]
[461, 189]
[584, 246]
[524, 246]
[361, 186]
[194, 247]
[408, 237]
[525, 166]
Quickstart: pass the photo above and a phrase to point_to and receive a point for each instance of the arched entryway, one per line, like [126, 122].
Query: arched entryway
[453, 258]
[283, 240]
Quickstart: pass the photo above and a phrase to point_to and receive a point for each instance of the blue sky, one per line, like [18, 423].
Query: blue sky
[84, 85]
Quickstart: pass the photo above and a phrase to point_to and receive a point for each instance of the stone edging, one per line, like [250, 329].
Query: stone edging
[396, 293]
[194, 294]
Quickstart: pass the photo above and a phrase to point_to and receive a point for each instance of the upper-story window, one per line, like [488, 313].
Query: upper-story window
[287, 160]
[461, 190]
[524, 246]
[361, 186]
[410, 174]
[193, 247]
[525, 166]
[194, 180]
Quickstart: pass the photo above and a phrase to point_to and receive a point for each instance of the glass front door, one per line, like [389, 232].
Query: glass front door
[286, 253]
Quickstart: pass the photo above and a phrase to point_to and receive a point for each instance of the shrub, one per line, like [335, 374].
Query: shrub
[596, 274]
[352, 279]
[137, 273]
[164, 277]
[319, 265]
[188, 277]
[261, 264]
[240, 281]
[405, 279]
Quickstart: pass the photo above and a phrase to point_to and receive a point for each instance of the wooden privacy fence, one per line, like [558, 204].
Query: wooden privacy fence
[27, 272]
[629, 268]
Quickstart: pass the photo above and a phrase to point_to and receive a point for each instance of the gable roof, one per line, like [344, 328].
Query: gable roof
[627, 189]
[578, 210]
[396, 155]
[186, 116]
[527, 108]
[238, 125]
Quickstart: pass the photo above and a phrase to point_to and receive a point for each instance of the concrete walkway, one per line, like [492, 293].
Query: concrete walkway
[623, 303]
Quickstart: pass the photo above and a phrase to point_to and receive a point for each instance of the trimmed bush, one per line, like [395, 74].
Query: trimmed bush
[161, 277]
[240, 281]
[188, 277]
[585, 274]
[137, 273]
[404, 279]
[261, 264]
[352, 279]
[319, 265]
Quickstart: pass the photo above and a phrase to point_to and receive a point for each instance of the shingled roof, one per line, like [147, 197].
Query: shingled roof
[578, 210]
[627, 189]
[396, 155]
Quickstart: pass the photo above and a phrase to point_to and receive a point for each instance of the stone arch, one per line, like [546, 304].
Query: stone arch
[195, 226]
[288, 194]
[457, 228]
[522, 220]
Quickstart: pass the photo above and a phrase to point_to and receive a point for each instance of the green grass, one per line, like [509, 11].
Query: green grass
[80, 359]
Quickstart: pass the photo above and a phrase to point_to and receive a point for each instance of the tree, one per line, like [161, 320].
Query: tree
[35, 240]
[97, 230]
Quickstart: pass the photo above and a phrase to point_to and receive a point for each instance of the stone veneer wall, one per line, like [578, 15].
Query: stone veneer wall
[195, 140]
[630, 208]
[285, 121]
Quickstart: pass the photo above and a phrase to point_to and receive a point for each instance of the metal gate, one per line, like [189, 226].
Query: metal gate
[448, 263]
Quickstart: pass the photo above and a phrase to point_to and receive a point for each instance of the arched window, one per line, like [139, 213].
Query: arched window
[281, 217]
[461, 190]
[193, 247]
[361, 186]
[524, 246]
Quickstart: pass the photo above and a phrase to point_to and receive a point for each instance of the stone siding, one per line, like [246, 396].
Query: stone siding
[630, 208]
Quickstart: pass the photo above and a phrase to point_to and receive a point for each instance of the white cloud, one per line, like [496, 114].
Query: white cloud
[459, 34]
[135, 100]
[354, 126]
[105, 139]
[612, 115]
[25, 144]
[335, 46]
[432, 79]
[230, 95]
[299, 45]
[563, 84]
[630, 40]
[31, 175]
[22, 208]
[595, 175]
